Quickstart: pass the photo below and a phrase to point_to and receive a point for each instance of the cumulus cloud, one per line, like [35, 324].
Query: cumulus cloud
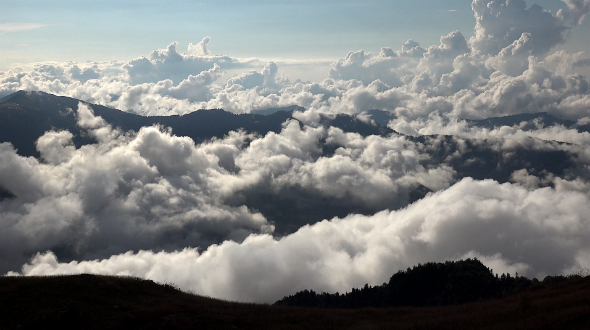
[439, 59]
[149, 190]
[194, 88]
[200, 49]
[506, 68]
[500, 23]
[168, 63]
[576, 10]
[86, 74]
[513, 60]
[153, 190]
[264, 82]
[534, 232]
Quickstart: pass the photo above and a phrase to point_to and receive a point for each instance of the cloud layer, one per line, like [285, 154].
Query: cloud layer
[506, 68]
[508, 227]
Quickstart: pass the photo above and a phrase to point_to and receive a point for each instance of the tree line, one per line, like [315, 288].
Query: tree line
[429, 284]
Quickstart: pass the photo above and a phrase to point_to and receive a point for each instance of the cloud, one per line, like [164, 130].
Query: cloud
[388, 66]
[156, 193]
[504, 69]
[439, 59]
[252, 80]
[146, 190]
[17, 27]
[500, 23]
[153, 190]
[86, 74]
[513, 60]
[576, 10]
[534, 232]
[169, 64]
[195, 88]
[200, 49]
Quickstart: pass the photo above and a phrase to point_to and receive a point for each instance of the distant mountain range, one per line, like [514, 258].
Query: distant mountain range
[25, 116]
[528, 121]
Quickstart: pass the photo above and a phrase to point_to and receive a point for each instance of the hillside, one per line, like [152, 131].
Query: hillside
[103, 302]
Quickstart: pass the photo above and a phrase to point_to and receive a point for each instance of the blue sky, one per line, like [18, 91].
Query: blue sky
[98, 30]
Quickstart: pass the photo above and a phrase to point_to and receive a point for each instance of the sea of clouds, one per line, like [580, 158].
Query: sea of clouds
[160, 206]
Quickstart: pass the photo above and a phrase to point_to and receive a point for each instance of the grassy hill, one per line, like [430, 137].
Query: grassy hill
[104, 302]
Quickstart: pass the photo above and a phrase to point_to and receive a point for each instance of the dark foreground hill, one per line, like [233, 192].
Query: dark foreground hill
[103, 302]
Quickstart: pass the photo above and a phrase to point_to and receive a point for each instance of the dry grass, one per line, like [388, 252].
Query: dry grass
[103, 302]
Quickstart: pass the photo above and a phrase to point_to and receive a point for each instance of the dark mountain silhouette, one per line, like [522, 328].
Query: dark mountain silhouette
[380, 117]
[528, 121]
[430, 284]
[109, 302]
[352, 124]
[25, 116]
[481, 160]
[270, 111]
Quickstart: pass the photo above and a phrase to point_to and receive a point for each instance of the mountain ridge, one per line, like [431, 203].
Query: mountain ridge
[111, 302]
[21, 122]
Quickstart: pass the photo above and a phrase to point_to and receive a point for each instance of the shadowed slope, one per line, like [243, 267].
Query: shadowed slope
[103, 302]
[25, 116]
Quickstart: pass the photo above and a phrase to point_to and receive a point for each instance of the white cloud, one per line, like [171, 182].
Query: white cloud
[16, 27]
[509, 228]
[500, 23]
[145, 190]
[513, 60]
[200, 49]
[169, 64]
[153, 190]
[458, 75]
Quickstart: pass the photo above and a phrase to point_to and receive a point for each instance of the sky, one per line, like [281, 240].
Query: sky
[95, 30]
[155, 205]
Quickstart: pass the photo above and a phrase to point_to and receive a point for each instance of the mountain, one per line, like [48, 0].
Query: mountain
[380, 117]
[108, 302]
[527, 121]
[25, 116]
[270, 111]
